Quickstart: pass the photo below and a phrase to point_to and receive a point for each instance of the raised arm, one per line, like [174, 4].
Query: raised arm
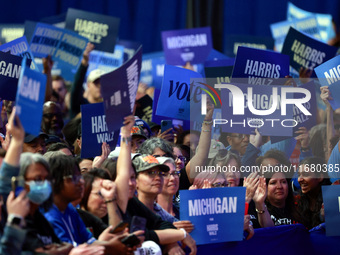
[77, 86]
[48, 64]
[325, 96]
[203, 145]
[124, 163]
[18, 134]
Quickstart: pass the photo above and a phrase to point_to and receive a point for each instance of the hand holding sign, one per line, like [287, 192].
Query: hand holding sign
[128, 123]
[326, 95]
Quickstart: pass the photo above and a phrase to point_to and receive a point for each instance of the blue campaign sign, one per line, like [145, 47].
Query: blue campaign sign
[177, 92]
[261, 67]
[10, 69]
[130, 48]
[217, 213]
[153, 69]
[308, 25]
[158, 119]
[305, 51]
[94, 131]
[331, 200]
[232, 42]
[20, 47]
[30, 98]
[187, 45]
[246, 107]
[324, 20]
[329, 75]
[302, 119]
[101, 30]
[105, 61]
[65, 47]
[10, 32]
[119, 89]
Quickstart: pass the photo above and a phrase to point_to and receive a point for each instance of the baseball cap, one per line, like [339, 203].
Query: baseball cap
[138, 131]
[29, 138]
[143, 124]
[94, 75]
[145, 162]
[215, 146]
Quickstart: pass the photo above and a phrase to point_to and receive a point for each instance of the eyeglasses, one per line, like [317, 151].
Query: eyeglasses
[74, 178]
[219, 184]
[173, 174]
[181, 158]
[51, 115]
[240, 136]
[98, 193]
[154, 173]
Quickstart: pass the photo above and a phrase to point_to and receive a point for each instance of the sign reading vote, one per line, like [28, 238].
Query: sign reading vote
[187, 45]
[217, 214]
[10, 69]
[256, 42]
[30, 98]
[331, 200]
[261, 67]
[65, 47]
[101, 30]
[307, 25]
[119, 89]
[329, 75]
[20, 47]
[268, 108]
[178, 93]
[324, 20]
[94, 131]
[305, 51]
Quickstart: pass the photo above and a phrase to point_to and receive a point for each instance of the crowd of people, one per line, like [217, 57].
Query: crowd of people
[55, 202]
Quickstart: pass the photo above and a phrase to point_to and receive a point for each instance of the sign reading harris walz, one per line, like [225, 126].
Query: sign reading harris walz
[101, 30]
[187, 45]
[305, 51]
[217, 213]
[94, 128]
[65, 47]
[260, 67]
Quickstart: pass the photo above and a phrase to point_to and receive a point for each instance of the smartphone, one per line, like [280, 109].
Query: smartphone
[18, 184]
[165, 125]
[137, 223]
[120, 227]
[130, 240]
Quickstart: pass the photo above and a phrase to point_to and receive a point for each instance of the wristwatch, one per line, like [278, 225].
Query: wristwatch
[16, 220]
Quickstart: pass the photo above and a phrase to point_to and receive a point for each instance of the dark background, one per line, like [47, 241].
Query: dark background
[143, 20]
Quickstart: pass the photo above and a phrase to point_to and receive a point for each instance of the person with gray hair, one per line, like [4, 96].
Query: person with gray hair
[34, 171]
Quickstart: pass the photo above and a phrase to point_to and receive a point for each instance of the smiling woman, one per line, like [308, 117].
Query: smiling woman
[310, 201]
